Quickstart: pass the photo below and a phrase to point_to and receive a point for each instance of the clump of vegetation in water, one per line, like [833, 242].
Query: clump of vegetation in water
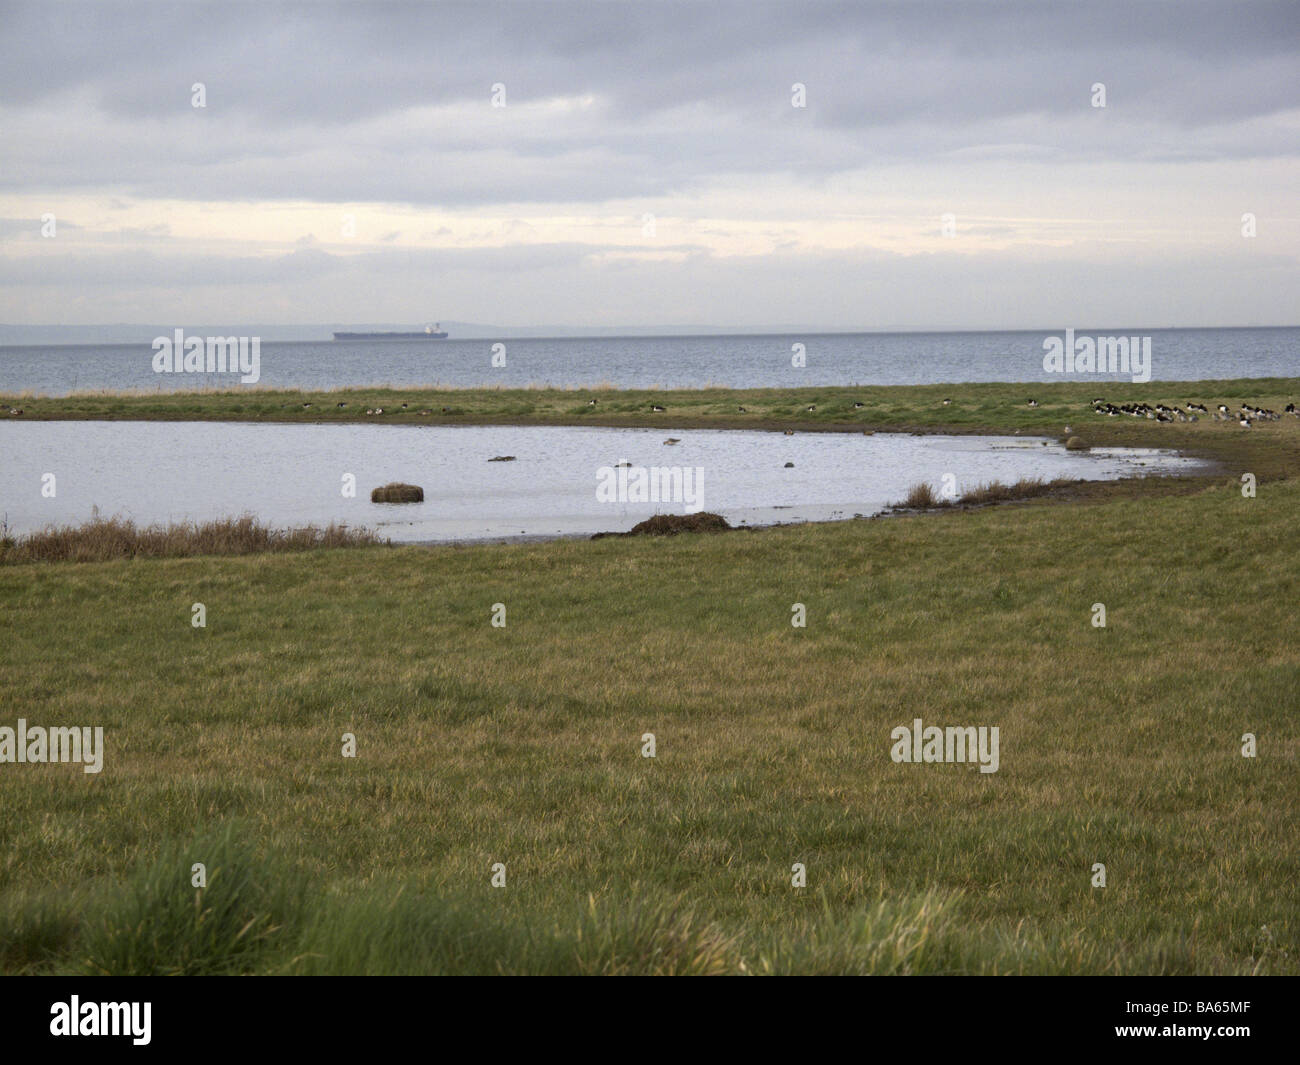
[398, 493]
[672, 524]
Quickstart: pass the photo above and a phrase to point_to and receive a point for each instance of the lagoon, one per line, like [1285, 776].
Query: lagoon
[287, 475]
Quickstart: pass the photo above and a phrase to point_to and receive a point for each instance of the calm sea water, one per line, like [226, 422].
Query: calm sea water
[668, 362]
[293, 474]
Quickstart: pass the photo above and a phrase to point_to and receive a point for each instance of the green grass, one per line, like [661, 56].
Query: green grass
[521, 745]
[973, 407]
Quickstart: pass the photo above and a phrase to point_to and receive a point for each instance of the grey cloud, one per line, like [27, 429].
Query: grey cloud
[848, 289]
[306, 263]
[29, 228]
[389, 104]
[317, 101]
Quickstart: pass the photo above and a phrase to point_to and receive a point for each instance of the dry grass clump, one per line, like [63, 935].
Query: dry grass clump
[396, 492]
[103, 539]
[923, 497]
[997, 492]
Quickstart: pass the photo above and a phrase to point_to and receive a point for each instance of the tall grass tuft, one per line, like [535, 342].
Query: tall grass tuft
[895, 937]
[411, 933]
[105, 539]
[414, 933]
[997, 492]
[34, 933]
[160, 925]
[649, 938]
[921, 497]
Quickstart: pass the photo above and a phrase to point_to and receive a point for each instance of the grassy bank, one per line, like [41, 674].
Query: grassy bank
[522, 745]
[970, 407]
[102, 539]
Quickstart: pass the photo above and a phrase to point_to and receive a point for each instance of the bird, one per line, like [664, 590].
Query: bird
[742, 410]
[1068, 430]
[1033, 403]
[1244, 422]
[591, 403]
[672, 440]
[403, 406]
[946, 402]
[658, 409]
[858, 406]
[812, 407]
[305, 406]
[341, 405]
[789, 432]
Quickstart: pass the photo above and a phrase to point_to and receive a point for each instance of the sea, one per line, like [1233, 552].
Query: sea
[738, 361]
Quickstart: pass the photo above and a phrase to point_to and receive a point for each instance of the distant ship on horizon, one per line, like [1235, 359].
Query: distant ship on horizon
[430, 332]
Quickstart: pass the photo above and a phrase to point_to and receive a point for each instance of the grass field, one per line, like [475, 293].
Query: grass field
[522, 744]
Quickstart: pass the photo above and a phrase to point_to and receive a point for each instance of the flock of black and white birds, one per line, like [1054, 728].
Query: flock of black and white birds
[1246, 415]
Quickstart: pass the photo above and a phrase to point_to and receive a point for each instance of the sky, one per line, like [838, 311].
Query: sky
[755, 165]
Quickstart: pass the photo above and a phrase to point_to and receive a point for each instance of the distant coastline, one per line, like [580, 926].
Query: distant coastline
[125, 334]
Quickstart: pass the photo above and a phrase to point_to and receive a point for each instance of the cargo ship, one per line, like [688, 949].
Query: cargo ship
[430, 332]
